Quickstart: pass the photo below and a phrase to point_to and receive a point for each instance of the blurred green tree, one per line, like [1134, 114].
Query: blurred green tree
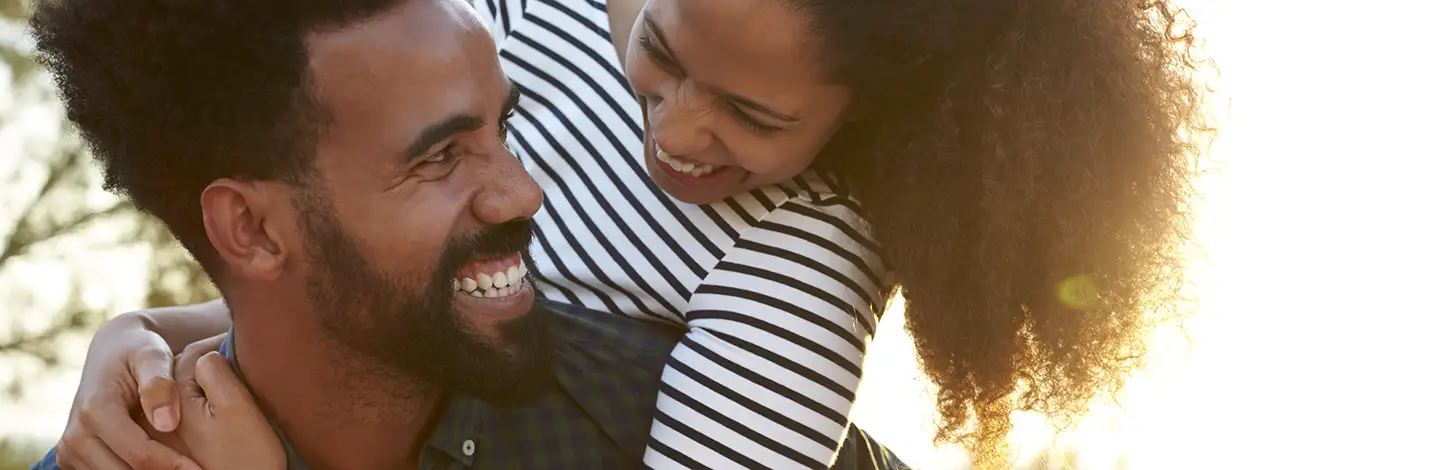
[53, 218]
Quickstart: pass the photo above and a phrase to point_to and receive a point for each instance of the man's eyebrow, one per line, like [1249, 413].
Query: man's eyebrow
[456, 124]
[737, 99]
[440, 131]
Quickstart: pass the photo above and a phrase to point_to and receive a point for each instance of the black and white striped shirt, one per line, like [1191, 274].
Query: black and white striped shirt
[778, 287]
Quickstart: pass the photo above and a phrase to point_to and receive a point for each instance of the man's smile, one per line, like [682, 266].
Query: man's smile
[495, 287]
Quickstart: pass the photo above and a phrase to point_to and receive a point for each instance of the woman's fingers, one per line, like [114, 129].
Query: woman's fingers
[120, 436]
[195, 396]
[222, 387]
[95, 455]
[192, 353]
[152, 368]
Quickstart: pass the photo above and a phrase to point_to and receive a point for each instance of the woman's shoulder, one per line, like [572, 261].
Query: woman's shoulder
[813, 215]
[819, 204]
[811, 240]
[819, 189]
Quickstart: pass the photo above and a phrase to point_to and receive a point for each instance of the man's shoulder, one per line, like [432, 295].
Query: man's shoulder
[610, 366]
[48, 462]
[574, 324]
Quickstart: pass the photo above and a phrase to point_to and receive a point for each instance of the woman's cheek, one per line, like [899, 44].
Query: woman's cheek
[774, 162]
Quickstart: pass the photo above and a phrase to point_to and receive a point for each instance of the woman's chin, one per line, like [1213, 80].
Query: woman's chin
[683, 193]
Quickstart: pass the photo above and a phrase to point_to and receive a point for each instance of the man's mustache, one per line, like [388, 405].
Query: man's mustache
[500, 240]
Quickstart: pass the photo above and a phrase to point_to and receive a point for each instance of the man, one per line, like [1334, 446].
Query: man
[337, 167]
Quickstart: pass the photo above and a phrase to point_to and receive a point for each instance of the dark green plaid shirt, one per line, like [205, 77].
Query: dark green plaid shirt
[596, 416]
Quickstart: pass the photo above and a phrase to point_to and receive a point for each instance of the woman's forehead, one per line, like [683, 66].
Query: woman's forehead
[762, 49]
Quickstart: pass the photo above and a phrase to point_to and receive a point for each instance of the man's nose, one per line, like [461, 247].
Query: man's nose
[681, 125]
[508, 192]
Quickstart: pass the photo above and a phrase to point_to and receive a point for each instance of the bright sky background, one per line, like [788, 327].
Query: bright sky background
[1314, 342]
[1314, 345]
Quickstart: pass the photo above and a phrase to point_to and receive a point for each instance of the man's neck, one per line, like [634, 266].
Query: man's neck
[337, 408]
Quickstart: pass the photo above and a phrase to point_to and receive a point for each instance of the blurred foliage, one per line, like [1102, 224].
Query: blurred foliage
[58, 213]
[49, 215]
[19, 456]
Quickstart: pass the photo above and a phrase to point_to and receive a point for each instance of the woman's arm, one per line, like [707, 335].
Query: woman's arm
[766, 375]
[183, 324]
[129, 366]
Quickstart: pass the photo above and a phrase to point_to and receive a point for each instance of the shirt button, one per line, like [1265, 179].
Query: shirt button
[468, 447]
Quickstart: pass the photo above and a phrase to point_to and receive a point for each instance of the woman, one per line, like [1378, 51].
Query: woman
[1019, 165]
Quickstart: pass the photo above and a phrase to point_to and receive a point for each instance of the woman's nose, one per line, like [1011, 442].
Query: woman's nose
[681, 125]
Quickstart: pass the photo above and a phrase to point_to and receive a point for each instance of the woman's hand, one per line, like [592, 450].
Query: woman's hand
[129, 367]
[223, 428]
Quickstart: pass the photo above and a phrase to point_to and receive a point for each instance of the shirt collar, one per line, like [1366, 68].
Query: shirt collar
[293, 461]
[460, 422]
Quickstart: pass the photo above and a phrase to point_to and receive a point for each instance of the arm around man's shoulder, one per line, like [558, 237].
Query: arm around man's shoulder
[92, 447]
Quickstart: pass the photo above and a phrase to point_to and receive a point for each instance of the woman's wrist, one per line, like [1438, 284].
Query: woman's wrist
[181, 325]
[118, 328]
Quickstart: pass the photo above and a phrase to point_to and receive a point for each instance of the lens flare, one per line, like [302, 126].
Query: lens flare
[1077, 292]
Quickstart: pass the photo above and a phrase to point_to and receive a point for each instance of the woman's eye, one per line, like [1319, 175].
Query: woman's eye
[653, 52]
[750, 122]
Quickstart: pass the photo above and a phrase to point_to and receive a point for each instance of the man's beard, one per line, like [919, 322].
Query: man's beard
[417, 332]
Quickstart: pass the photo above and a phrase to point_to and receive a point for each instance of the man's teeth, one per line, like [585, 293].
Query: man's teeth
[684, 167]
[497, 284]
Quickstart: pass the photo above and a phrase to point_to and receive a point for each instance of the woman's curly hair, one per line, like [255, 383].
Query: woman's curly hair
[1027, 168]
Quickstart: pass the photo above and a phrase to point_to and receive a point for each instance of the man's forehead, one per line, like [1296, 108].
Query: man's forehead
[416, 31]
[386, 78]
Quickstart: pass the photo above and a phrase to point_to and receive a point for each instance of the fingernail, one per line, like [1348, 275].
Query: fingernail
[164, 419]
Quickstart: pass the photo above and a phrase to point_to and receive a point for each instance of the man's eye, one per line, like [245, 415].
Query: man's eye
[445, 155]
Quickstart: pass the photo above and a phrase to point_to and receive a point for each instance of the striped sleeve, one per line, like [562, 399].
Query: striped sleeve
[500, 16]
[766, 375]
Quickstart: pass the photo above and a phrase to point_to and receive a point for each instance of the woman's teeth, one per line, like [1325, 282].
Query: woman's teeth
[684, 167]
[498, 284]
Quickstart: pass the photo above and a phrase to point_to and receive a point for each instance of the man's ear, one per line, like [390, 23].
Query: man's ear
[243, 221]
